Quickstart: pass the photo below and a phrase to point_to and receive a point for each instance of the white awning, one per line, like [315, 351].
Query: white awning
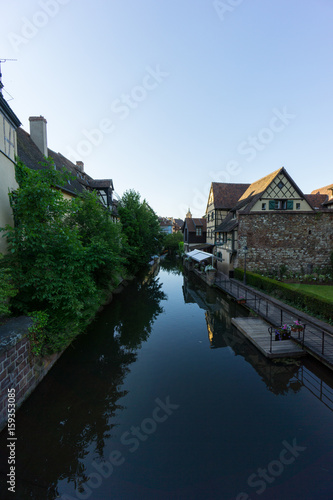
[199, 256]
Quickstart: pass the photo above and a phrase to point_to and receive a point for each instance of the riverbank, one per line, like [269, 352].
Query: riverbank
[21, 371]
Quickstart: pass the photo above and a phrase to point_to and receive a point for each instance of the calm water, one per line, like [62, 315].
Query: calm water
[162, 399]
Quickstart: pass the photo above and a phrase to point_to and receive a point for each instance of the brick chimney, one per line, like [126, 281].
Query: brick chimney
[38, 133]
[80, 166]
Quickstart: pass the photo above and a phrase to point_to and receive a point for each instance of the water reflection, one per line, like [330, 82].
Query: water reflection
[85, 388]
[280, 377]
[77, 414]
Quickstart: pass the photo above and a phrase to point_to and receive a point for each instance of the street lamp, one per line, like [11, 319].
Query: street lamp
[244, 277]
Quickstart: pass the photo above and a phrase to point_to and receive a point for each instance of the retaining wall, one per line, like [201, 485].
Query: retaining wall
[19, 369]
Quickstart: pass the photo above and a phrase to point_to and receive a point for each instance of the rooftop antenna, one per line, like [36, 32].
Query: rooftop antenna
[3, 61]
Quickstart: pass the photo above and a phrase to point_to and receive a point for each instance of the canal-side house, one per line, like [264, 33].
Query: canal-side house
[275, 226]
[194, 231]
[32, 149]
[222, 197]
[9, 123]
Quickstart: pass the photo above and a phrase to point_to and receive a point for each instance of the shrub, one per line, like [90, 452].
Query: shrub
[7, 288]
[300, 299]
[62, 252]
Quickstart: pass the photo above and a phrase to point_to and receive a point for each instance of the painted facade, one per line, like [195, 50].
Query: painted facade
[8, 150]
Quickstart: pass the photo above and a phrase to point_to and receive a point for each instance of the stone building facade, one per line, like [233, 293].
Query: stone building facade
[301, 241]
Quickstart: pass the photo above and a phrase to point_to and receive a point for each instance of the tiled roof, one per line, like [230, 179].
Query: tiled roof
[229, 224]
[260, 186]
[101, 183]
[193, 223]
[328, 190]
[31, 156]
[226, 194]
[316, 200]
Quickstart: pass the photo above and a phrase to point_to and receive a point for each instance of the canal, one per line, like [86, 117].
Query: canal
[162, 399]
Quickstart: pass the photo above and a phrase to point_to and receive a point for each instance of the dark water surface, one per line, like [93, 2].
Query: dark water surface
[163, 399]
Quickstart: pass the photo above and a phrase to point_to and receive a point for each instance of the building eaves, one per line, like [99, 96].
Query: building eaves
[228, 225]
[8, 112]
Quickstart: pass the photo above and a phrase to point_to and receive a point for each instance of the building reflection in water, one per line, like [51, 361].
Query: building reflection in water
[279, 376]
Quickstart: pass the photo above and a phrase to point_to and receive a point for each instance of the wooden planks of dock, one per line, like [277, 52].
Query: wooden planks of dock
[256, 330]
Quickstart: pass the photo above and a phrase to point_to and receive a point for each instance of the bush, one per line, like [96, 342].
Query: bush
[7, 288]
[298, 298]
[62, 252]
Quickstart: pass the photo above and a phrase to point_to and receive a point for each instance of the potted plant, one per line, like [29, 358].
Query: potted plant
[282, 333]
[297, 326]
[241, 300]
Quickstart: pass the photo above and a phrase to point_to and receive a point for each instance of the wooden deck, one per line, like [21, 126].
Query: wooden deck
[256, 330]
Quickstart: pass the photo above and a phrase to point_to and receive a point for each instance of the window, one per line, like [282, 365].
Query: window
[208, 217]
[281, 205]
[298, 206]
[198, 231]
[212, 215]
[263, 206]
[280, 185]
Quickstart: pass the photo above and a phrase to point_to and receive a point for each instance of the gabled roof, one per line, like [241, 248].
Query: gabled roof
[192, 224]
[227, 194]
[260, 186]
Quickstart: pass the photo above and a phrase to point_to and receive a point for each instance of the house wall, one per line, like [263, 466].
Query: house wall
[299, 241]
[8, 150]
[219, 216]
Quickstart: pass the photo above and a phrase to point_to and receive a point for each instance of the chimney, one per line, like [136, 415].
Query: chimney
[38, 133]
[80, 166]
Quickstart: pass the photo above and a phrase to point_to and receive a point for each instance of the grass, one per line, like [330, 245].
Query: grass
[322, 291]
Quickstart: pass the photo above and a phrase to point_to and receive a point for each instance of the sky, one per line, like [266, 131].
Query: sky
[167, 96]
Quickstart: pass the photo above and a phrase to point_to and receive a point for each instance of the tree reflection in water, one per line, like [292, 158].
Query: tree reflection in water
[81, 394]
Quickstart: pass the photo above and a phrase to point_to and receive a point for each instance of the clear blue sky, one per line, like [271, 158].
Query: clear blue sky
[183, 92]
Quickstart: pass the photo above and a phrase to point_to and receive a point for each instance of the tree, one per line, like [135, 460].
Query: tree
[142, 229]
[171, 242]
[62, 252]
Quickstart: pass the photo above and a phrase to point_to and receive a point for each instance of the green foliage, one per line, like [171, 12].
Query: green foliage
[304, 300]
[37, 332]
[171, 242]
[141, 227]
[181, 248]
[7, 288]
[62, 253]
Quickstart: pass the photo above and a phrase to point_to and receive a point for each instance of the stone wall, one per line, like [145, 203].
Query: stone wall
[19, 369]
[300, 241]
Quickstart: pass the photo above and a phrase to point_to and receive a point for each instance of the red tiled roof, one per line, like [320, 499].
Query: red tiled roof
[193, 223]
[316, 200]
[227, 194]
[324, 190]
